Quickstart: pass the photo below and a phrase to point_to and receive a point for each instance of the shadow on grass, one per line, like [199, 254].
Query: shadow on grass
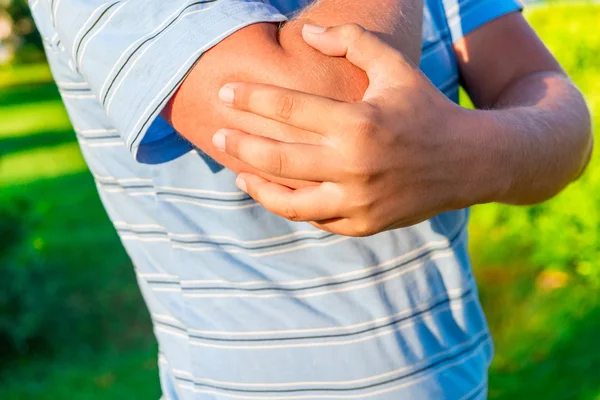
[11, 145]
[546, 339]
[73, 286]
[570, 371]
[70, 282]
[25, 94]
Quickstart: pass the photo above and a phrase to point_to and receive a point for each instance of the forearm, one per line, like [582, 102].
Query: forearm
[534, 142]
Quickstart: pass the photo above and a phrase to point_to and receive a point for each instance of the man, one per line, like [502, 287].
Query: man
[248, 305]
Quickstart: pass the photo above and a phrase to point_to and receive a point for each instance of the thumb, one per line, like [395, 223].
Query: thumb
[383, 64]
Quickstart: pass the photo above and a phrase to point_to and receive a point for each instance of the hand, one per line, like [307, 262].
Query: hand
[392, 160]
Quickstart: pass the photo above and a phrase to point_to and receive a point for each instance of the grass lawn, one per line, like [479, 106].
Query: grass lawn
[537, 266]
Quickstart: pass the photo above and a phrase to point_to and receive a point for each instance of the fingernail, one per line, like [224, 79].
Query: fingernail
[241, 184]
[219, 140]
[316, 29]
[227, 94]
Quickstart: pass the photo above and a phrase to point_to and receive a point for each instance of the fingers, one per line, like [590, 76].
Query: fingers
[301, 110]
[340, 226]
[313, 203]
[382, 63]
[287, 160]
[322, 206]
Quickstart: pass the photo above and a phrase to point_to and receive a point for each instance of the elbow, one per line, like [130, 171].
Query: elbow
[586, 141]
[310, 71]
[334, 78]
[587, 153]
[584, 156]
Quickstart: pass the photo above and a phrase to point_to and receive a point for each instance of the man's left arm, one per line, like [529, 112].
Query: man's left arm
[537, 131]
[406, 152]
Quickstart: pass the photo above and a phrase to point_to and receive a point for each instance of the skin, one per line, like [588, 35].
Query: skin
[405, 152]
[262, 53]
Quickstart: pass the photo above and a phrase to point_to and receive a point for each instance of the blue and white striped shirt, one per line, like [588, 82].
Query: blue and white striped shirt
[245, 304]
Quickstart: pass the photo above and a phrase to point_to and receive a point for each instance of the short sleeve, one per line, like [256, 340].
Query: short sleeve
[464, 16]
[136, 53]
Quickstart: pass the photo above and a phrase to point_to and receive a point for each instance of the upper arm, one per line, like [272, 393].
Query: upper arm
[497, 55]
[135, 53]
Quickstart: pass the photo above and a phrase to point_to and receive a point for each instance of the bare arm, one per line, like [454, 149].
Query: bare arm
[406, 152]
[537, 136]
[259, 53]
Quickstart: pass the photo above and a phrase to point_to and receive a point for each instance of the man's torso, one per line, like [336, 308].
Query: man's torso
[248, 305]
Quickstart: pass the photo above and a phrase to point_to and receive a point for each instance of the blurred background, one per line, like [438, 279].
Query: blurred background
[72, 319]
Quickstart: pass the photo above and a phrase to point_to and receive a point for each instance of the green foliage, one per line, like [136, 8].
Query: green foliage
[29, 43]
[128, 374]
[68, 296]
[24, 288]
[50, 294]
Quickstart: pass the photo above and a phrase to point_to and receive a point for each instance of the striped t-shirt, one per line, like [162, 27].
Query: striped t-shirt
[245, 304]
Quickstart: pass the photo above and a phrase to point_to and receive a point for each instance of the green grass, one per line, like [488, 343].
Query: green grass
[108, 375]
[537, 267]
[101, 345]
[24, 75]
[22, 168]
[31, 118]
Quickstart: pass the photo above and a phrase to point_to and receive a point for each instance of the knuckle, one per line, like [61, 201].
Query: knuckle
[364, 205]
[367, 120]
[241, 96]
[285, 106]
[364, 126]
[353, 31]
[233, 146]
[363, 172]
[291, 213]
[363, 228]
[275, 162]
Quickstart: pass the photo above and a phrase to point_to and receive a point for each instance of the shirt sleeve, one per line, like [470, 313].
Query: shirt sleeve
[136, 53]
[464, 16]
